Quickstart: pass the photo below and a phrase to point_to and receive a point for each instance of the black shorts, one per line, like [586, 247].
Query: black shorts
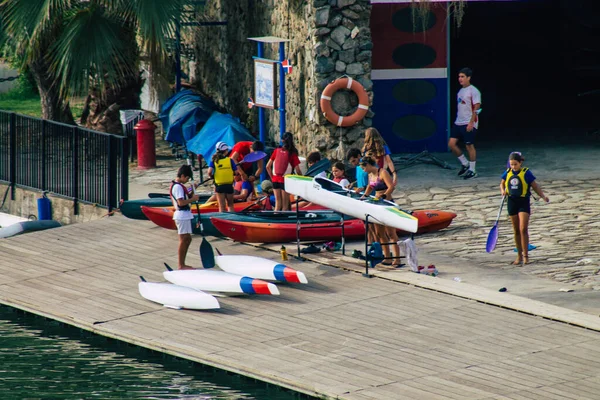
[225, 189]
[460, 132]
[518, 205]
[279, 185]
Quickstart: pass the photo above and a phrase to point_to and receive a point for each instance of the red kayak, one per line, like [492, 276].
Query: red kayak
[264, 232]
[163, 216]
[267, 232]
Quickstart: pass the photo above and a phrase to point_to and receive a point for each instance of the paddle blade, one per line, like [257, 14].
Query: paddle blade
[492, 239]
[254, 156]
[207, 255]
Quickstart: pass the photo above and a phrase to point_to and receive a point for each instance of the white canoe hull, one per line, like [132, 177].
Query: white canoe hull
[175, 296]
[260, 268]
[311, 190]
[219, 282]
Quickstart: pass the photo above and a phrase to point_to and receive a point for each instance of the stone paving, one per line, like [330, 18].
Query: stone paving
[565, 231]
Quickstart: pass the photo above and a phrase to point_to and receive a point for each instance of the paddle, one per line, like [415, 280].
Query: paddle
[253, 204]
[207, 255]
[493, 235]
[199, 223]
[254, 156]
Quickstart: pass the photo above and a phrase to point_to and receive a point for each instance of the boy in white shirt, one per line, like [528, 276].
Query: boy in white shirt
[183, 216]
[466, 124]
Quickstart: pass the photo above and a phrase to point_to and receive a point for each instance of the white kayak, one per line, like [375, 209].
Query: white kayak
[175, 296]
[219, 282]
[260, 268]
[328, 193]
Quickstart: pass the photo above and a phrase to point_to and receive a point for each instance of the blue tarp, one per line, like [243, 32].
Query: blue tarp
[218, 128]
[181, 114]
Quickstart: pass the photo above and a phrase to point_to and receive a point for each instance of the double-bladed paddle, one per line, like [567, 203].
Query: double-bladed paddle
[493, 235]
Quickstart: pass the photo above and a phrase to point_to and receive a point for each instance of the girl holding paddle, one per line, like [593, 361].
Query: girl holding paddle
[382, 183]
[517, 182]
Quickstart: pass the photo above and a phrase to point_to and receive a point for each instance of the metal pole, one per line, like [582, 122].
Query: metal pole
[261, 111]
[448, 73]
[366, 274]
[281, 90]
[12, 162]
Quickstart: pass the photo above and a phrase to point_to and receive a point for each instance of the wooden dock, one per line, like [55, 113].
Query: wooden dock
[397, 336]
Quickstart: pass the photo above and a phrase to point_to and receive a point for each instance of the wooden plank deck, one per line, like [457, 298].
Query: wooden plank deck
[340, 336]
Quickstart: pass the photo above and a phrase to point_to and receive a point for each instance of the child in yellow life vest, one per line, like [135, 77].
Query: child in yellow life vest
[221, 169]
[517, 183]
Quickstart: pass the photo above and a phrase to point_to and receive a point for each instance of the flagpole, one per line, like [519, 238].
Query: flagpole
[281, 90]
[261, 111]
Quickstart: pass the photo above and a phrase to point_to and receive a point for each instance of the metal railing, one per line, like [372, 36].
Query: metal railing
[65, 160]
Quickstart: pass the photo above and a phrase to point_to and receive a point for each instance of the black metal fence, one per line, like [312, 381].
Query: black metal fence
[65, 160]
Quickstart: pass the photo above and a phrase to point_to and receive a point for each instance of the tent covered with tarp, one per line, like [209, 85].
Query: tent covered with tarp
[181, 113]
[218, 128]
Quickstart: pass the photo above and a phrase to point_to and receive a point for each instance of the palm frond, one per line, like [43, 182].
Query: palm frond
[91, 47]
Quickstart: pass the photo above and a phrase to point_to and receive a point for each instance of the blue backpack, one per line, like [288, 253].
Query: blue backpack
[375, 254]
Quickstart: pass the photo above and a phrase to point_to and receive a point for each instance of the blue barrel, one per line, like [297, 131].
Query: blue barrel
[44, 212]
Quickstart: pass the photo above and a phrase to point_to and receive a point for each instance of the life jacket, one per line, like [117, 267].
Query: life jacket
[281, 162]
[237, 186]
[223, 172]
[174, 200]
[516, 184]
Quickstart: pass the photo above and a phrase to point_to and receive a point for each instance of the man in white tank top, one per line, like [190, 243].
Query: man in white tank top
[466, 124]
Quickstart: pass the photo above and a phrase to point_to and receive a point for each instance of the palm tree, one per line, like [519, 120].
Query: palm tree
[90, 47]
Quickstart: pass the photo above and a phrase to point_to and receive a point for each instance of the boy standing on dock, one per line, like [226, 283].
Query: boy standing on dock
[466, 124]
[183, 215]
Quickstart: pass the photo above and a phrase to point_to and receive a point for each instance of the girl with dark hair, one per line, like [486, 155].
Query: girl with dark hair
[277, 166]
[517, 182]
[339, 175]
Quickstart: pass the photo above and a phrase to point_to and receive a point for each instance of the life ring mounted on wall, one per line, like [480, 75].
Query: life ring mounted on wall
[361, 110]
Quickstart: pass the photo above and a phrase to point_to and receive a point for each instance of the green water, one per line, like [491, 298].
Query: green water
[44, 359]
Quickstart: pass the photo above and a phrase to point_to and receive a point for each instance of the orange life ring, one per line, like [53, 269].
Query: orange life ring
[361, 110]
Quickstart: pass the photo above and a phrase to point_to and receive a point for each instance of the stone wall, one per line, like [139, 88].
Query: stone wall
[25, 205]
[328, 39]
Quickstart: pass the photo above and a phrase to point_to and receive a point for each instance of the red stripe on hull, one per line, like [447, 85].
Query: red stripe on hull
[261, 287]
[291, 275]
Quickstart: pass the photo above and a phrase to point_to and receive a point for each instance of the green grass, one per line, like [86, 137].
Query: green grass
[29, 106]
